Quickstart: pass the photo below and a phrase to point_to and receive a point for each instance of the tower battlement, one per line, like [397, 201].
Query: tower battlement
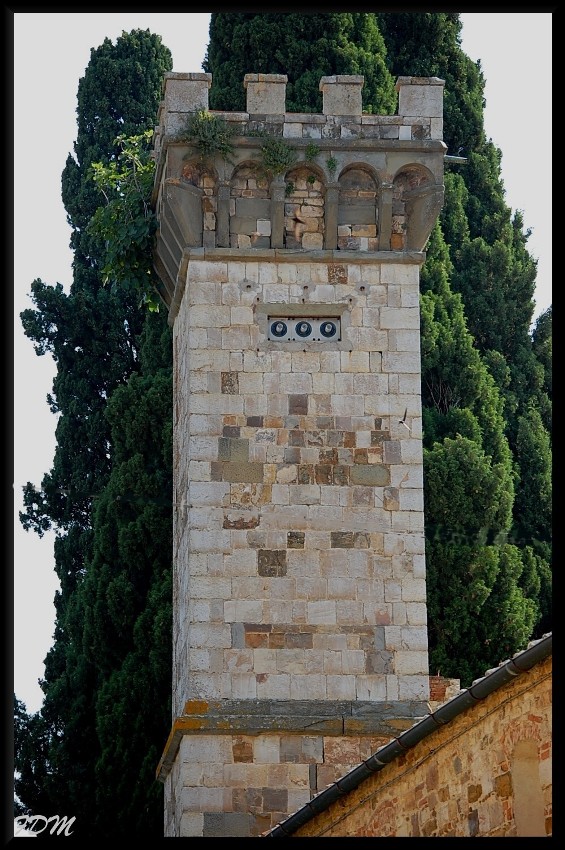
[357, 183]
[299, 594]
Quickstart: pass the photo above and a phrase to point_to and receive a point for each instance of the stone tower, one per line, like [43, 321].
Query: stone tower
[300, 632]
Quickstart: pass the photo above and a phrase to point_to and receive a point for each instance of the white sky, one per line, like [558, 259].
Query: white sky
[51, 53]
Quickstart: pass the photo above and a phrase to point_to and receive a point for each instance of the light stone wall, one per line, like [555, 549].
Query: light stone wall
[230, 786]
[299, 492]
[299, 594]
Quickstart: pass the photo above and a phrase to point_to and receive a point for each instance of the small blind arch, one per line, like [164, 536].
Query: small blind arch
[528, 795]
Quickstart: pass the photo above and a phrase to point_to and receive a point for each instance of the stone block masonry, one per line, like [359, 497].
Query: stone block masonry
[299, 533]
[297, 439]
[299, 607]
[362, 183]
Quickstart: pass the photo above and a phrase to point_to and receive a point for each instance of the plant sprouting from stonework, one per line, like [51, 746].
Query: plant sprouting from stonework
[277, 156]
[311, 152]
[331, 163]
[210, 134]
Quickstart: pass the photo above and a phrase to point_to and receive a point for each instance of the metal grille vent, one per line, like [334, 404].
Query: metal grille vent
[304, 329]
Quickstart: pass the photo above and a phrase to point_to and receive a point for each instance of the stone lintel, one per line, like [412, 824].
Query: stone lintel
[290, 310]
[283, 255]
[289, 717]
[368, 145]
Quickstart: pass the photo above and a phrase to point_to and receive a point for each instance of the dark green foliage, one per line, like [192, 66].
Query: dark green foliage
[541, 339]
[305, 47]
[427, 44]
[123, 227]
[108, 493]
[210, 134]
[487, 214]
[475, 601]
[537, 574]
[110, 666]
[126, 604]
[497, 286]
[94, 350]
[463, 487]
[118, 95]
[481, 373]
[311, 151]
[30, 754]
[458, 392]
[277, 156]
[533, 493]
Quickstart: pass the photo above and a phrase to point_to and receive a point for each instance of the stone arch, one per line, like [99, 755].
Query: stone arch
[416, 201]
[357, 215]
[528, 805]
[304, 208]
[249, 207]
[196, 172]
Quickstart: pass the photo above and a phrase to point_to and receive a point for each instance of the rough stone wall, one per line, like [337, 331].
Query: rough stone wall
[304, 210]
[243, 785]
[488, 773]
[250, 209]
[366, 183]
[357, 211]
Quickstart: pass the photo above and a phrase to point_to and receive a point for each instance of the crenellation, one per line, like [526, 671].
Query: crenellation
[221, 224]
[266, 93]
[299, 559]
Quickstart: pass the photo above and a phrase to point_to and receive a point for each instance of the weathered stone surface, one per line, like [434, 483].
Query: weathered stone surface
[299, 568]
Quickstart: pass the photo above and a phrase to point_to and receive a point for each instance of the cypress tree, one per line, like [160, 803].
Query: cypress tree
[305, 47]
[492, 268]
[97, 335]
[492, 271]
[478, 369]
